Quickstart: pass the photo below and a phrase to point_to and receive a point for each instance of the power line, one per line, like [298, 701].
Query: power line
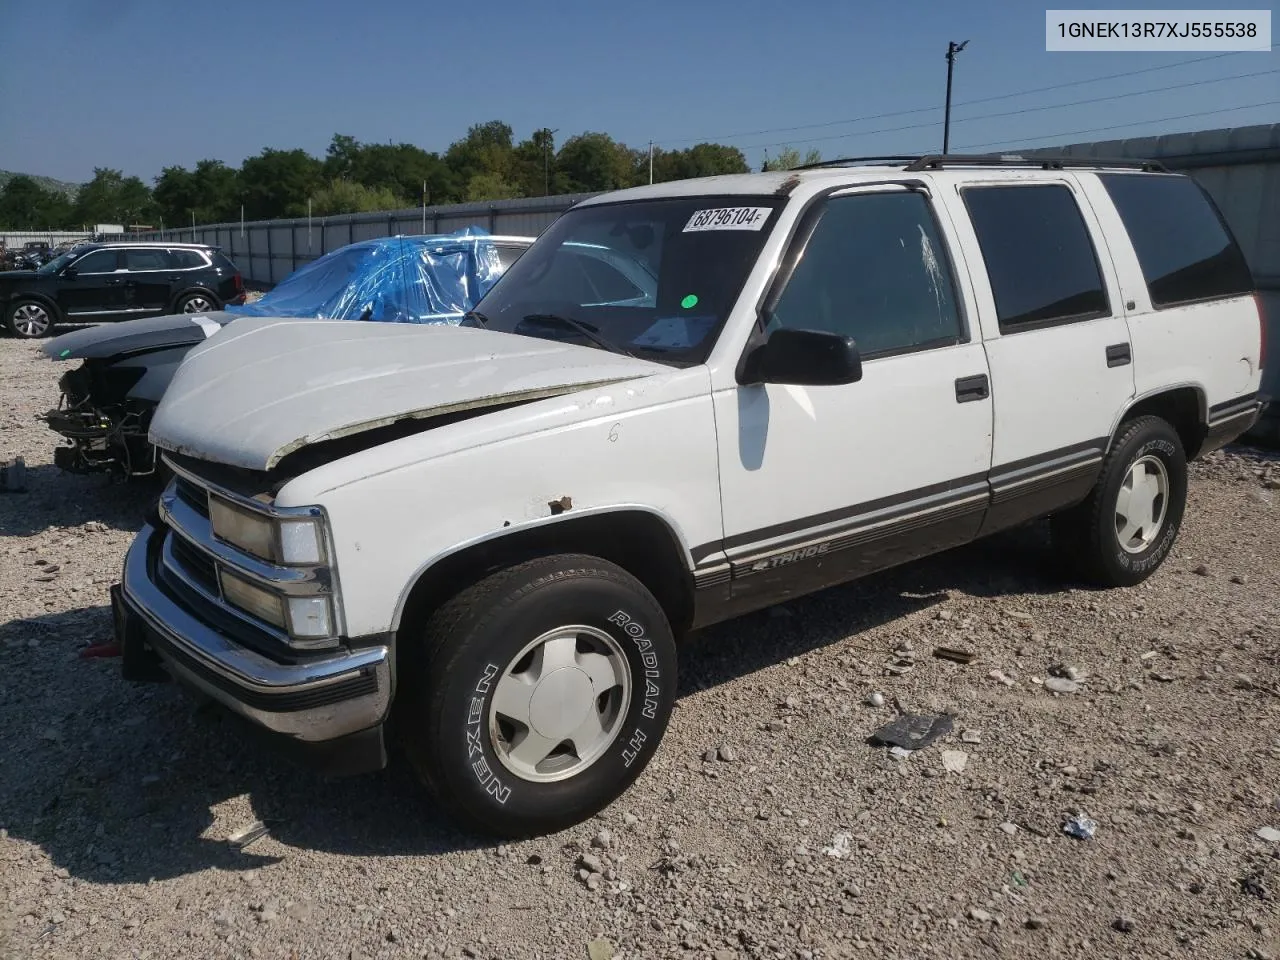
[1025, 110]
[966, 103]
[1119, 126]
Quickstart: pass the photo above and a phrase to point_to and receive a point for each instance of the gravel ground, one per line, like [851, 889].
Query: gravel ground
[766, 826]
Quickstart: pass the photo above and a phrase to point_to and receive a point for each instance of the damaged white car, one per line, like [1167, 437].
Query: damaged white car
[489, 538]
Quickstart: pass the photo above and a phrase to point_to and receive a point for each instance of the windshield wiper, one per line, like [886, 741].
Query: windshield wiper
[480, 319]
[586, 329]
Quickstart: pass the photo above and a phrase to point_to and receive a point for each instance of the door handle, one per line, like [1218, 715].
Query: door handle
[1119, 354]
[972, 388]
[111, 282]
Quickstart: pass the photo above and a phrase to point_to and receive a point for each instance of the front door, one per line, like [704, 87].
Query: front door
[1059, 347]
[96, 291]
[821, 484]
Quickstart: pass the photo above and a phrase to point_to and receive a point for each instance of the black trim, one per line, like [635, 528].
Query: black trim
[959, 486]
[1228, 407]
[1119, 355]
[969, 389]
[1004, 470]
[1044, 162]
[1230, 427]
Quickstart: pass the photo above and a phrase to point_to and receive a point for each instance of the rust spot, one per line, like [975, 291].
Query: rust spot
[788, 185]
[561, 505]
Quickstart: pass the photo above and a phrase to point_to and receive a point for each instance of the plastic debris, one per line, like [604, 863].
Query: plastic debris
[900, 753]
[1270, 834]
[913, 731]
[954, 761]
[1080, 827]
[876, 700]
[250, 834]
[13, 476]
[1061, 685]
[841, 845]
[954, 654]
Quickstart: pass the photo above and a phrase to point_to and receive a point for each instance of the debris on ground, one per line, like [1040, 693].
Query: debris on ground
[954, 654]
[841, 845]
[13, 476]
[249, 834]
[876, 699]
[600, 950]
[954, 761]
[971, 736]
[999, 677]
[1080, 827]
[1061, 685]
[1270, 834]
[900, 753]
[913, 731]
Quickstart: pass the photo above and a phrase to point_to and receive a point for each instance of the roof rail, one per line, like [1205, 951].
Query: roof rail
[1046, 162]
[892, 159]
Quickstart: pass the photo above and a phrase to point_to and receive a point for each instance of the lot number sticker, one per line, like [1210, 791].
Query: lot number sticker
[728, 218]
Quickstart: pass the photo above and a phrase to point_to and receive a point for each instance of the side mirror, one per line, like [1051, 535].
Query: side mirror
[804, 358]
[70, 273]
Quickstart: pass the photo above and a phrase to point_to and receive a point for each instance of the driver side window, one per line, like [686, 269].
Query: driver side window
[874, 269]
[100, 261]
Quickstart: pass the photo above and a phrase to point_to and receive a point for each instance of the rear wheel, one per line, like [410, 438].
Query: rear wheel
[196, 303]
[539, 694]
[1121, 534]
[29, 319]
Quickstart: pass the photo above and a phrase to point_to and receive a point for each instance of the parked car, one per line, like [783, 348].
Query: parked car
[97, 282]
[496, 532]
[108, 400]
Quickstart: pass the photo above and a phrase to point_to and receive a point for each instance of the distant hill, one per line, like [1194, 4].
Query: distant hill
[60, 186]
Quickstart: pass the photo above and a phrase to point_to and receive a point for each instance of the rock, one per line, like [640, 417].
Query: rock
[1034, 923]
[943, 615]
[971, 736]
[1200, 571]
[954, 761]
[978, 914]
[602, 840]
[600, 950]
[1270, 834]
[630, 819]
[999, 677]
[1240, 579]
[727, 754]
[876, 699]
[302, 912]
[710, 755]
[1123, 923]
[1061, 685]
[593, 881]
[725, 955]
[1009, 828]
[533, 859]
[590, 863]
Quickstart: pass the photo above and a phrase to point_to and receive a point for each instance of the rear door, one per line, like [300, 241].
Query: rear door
[94, 291]
[150, 278]
[1056, 338]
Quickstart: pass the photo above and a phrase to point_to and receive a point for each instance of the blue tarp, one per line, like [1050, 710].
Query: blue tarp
[422, 279]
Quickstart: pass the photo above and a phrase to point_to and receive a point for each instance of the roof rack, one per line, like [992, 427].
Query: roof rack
[1047, 162]
[858, 160]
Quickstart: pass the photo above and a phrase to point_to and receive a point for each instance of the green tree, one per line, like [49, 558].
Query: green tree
[278, 183]
[534, 164]
[700, 160]
[211, 192]
[485, 149]
[788, 158]
[403, 169]
[594, 161]
[347, 196]
[340, 156]
[25, 205]
[111, 197]
[490, 186]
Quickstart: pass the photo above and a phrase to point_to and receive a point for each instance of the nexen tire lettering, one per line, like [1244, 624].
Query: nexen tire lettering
[647, 657]
[492, 784]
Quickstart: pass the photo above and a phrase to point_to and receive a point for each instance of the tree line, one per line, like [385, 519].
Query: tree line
[355, 177]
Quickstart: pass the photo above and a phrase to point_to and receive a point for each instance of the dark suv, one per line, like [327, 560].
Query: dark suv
[117, 281]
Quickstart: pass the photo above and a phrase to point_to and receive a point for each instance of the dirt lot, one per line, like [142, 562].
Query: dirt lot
[796, 839]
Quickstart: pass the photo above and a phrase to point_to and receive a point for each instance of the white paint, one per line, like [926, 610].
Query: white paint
[209, 327]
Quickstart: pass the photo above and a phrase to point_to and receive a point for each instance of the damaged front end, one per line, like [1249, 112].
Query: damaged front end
[106, 428]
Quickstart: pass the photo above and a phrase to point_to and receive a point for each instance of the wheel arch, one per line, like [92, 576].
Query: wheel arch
[42, 298]
[640, 540]
[1185, 407]
[200, 289]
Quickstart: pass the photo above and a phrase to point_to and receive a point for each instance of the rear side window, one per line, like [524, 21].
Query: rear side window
[1186, 252]
[222, 262]
[146, 258]
[186, 259]
[1039, 255]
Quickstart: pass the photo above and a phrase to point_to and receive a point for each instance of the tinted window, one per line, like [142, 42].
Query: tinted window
[507, 255]
[874, 269]
[100, 261]
[1039, 256]
[1185, 250]
[186, 259]
[604, 284]
[145, 259]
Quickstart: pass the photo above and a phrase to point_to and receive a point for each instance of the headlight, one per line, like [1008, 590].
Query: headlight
[276, 540]
[263, 604]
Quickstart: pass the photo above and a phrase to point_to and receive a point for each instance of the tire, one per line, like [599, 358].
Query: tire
[1108, 540]
[30, 319]
[471, 674]
[198, 302]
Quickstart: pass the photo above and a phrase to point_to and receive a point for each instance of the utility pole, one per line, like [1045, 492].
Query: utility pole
[424, 207]
[547, 137]
[952, 49]
[650, 163]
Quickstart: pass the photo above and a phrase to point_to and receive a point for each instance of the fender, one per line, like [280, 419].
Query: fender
[1202, 415]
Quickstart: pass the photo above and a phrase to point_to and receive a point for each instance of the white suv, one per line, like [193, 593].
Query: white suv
[685, 402]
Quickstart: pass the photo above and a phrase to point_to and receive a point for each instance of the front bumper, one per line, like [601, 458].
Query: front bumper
[339, 702]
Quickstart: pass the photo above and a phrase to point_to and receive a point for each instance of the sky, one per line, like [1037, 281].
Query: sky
[138, 85]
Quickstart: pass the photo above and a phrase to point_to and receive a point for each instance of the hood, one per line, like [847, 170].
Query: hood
[17, 275]
[136, 336]
[263, 389]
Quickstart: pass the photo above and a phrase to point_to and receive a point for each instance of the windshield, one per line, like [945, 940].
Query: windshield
[652, 278]
[58, 262]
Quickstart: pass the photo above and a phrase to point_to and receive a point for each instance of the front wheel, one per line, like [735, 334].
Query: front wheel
[29, 319]
[538, 695]
[196, 303]
[1124, 530]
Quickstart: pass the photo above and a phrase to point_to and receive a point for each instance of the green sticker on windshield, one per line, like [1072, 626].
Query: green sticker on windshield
[690, 301]
[64, 353]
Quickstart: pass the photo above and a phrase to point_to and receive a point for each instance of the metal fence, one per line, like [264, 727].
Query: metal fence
[267, 251]
[14, 239]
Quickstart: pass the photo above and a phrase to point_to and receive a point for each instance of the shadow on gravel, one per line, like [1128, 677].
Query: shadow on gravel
[55, 498]
[116, 782]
